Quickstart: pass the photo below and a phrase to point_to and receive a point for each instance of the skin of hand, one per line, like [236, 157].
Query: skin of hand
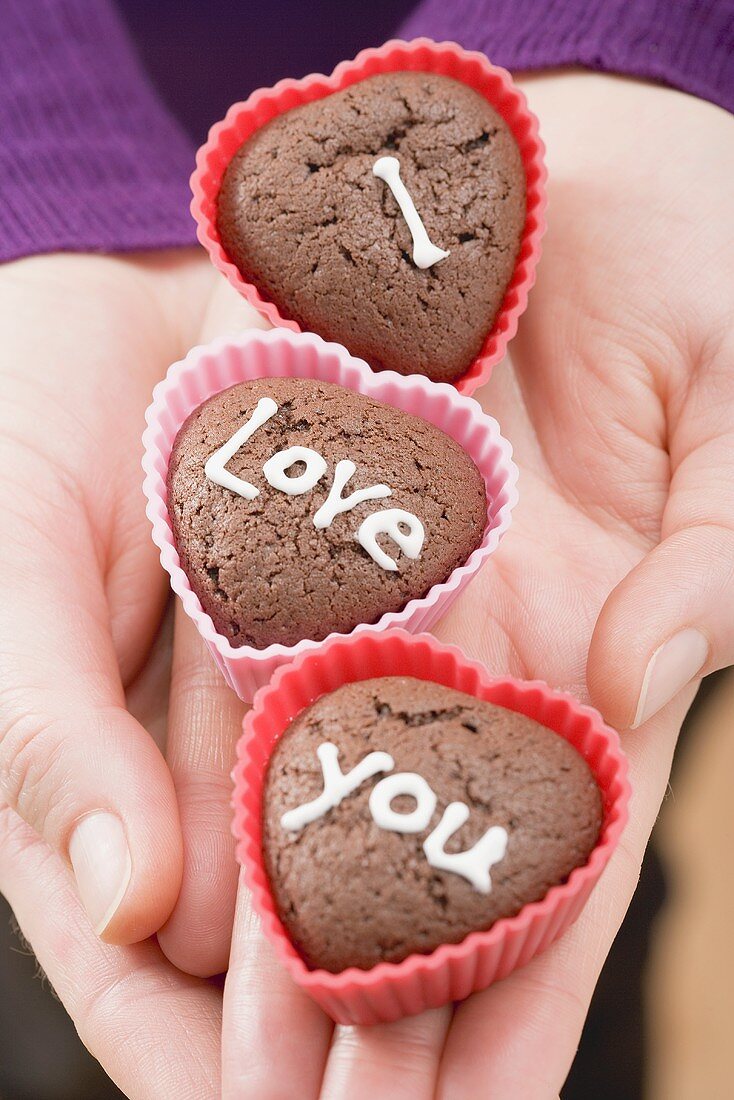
[615, 582]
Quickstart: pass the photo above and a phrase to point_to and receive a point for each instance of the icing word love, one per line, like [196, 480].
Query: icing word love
[388, 521]
[425, 253]
[473, 864]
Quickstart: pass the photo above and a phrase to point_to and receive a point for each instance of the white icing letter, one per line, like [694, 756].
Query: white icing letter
[386, 522]
[403, 783]
[335, 504]
[425, 253]
[337, 785]
[275, 470]
[472, 864]
[214, 467]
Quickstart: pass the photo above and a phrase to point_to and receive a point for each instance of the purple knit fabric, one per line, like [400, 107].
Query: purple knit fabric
[688, 44]
[91, 159]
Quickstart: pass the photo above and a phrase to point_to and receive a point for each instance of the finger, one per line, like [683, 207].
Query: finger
[228, 313]
[135, 589]
[519, 1037]
[73, 762]
[274, 1037]
[155, 1032]
[146, 697]
[670, 620]
[204, 722]
[398, 1060]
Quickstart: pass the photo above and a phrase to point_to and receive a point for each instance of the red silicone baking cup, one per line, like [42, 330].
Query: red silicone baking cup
[422, 55]
[280, 353]
[390, 991]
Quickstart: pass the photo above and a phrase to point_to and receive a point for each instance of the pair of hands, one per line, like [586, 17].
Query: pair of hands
[619, 402]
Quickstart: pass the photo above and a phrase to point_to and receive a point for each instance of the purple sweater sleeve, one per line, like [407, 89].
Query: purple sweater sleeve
[90, 159]
[688, 44]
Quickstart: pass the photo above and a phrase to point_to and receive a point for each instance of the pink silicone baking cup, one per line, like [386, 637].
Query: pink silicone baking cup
[421, 55]
[390, 991]
[281, 353]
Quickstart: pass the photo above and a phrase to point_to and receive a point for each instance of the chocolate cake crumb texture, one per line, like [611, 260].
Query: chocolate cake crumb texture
[352, 894]
[304, 218]
[261, 569]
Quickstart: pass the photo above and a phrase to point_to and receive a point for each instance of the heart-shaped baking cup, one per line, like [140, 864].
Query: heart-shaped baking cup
[275, 558]
[280, 353]
[389, 991]
[422, 56]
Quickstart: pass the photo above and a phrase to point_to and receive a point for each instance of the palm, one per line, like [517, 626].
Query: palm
[531, 614]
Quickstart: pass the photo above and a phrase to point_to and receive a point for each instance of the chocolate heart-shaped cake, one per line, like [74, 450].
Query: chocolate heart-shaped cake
[300, 508]
[386, 216]
[399, 815]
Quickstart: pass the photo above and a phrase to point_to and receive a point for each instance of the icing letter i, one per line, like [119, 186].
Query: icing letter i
[425, 253]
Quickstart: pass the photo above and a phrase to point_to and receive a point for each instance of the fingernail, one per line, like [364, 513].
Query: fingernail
[671, 667]
[102, 866]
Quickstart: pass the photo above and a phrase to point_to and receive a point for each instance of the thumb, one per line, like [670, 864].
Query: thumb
[671, 620]
[73, 762]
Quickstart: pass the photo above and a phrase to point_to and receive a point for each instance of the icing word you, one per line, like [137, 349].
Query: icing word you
[425, 253]
[388, 521]
[473, 864]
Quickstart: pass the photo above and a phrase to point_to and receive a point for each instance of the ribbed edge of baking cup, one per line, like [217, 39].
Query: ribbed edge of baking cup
[421, 55]
[453, 971]
[280, 353]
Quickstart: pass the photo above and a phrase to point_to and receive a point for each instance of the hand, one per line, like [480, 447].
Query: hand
[83, 645]
[620, 407]
[155, 1030]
